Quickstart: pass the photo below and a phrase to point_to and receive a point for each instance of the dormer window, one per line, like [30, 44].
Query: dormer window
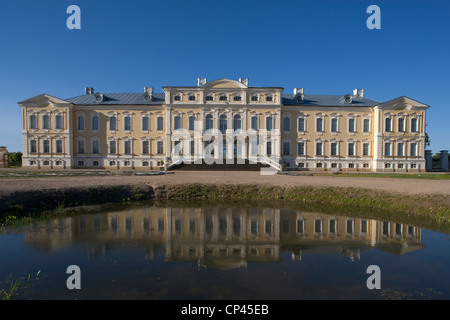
[177, 98]
[237, 98]
[255, 98]
[209, 98]
[269, 98]
[223, 98]
[192, 97]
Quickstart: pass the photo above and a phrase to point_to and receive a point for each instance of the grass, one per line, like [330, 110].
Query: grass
[424, 175]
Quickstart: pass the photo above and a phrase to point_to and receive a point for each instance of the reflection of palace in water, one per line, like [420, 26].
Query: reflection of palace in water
[226, 237]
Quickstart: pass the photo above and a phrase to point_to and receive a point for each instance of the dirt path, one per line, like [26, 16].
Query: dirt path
[409, 186]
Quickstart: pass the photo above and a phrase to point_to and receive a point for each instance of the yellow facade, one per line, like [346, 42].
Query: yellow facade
[305, 132]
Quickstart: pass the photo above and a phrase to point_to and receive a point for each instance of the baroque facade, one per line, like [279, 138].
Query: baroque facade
[224, 121]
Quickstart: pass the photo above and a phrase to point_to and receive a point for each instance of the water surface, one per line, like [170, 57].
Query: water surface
[230, 252]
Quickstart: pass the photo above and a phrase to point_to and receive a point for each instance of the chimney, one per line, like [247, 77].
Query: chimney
[148, 90]
[201, 82]
[88, 91]
[358, 92]
[298, 94]
[148, 93]
[244, 81]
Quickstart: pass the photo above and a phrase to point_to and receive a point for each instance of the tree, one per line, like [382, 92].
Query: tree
[15, 159]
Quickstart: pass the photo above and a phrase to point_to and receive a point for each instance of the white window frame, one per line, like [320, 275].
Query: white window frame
[93, 115]
[95, 139]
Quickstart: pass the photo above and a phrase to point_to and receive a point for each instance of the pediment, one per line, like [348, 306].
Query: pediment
[43, 100]
[403, 102]
[224, 84]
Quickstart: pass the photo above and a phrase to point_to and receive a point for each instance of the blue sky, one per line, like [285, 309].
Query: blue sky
[322, 46]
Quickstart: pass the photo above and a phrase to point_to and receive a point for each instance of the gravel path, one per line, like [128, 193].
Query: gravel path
[410, 186]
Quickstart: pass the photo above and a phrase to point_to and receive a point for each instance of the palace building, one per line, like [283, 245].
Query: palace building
[224, 122]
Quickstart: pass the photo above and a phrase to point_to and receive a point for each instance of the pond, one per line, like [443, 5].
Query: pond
[223, 252]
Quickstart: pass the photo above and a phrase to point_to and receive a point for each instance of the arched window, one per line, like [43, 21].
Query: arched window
[223, 123]
[209, 123]
[237, 124]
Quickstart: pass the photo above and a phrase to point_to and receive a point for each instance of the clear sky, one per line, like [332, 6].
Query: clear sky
[322, 46]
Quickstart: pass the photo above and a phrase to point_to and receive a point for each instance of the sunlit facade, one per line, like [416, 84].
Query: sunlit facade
[224, 121]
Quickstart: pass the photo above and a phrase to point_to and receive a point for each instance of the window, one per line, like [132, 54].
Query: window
[145, 164]
[209, 98]
[127, 147]
[33, 146]
[146, 123]
[160, 123]
[301, 124]
[319, 147]
[112, 163]
[192, 97]
[58, 162]
[177, 98]
[81, 146]
[269, 148]
[159, 147]
[192, 147]
[95, 123]
[365, 149]
[286, 148]
[287, 124]
[46, 121]
[318, 225]
[112, 147]
[127, 123]
[113, 123]
[366, 125]
[95, 147]
[255, 123]
[334, 125]
[413, 166]
[46, 146]
[223, 123]
[269, 123]
[237, 122]
[59, 146]
[351, 148]
[237, 98]
[351, 125]
[351, 165]
[95, 163]
[401, 124]
[209, 123]
[145, 147]
[387, 149]
[254, 98]
[333, 149]
[301, 148]
[400, 166]
[334, 165]
[387, 165]
[400, 149]
[413, 149]
[388, 124]
[319, 125]
[192, 123]
[59, 121]
[269, 98]
[33, 121]
[81, 123]
[177, 122]
[366, 166]
[223, 98]
[414, 125]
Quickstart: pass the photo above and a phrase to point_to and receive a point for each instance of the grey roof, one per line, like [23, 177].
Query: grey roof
[328, 101]
[159, 98]
[118, 99]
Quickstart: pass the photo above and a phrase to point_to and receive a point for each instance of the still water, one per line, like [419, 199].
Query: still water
[229, 252]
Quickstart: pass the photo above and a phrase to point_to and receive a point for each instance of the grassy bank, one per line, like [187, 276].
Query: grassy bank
[426, 211]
